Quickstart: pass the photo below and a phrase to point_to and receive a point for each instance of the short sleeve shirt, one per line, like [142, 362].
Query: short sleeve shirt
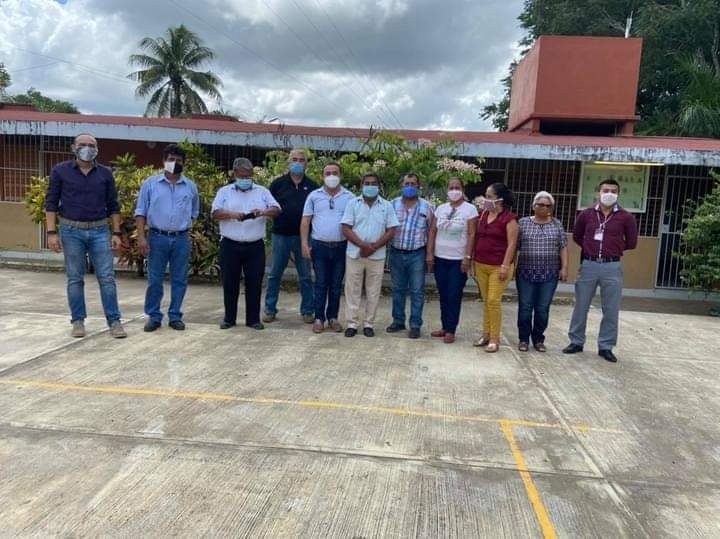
[369, 223]
[230, 198]
[451, 239]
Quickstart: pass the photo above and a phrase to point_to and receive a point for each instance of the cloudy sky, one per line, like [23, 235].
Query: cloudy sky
[420, 64]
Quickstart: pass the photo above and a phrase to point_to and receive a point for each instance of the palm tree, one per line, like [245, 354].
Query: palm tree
[699, 99]
[169, 74]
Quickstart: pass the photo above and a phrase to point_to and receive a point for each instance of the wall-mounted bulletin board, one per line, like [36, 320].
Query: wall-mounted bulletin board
[633, 180]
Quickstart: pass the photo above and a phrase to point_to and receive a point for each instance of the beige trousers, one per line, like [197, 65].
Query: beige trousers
[358, 270]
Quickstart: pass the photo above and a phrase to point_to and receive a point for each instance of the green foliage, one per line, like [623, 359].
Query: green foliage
[701, 237]
[44, 103]
[35, 198]
[5, 80]
[169, 76]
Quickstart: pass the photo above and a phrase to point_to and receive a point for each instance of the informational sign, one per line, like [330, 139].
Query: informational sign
[633, 180]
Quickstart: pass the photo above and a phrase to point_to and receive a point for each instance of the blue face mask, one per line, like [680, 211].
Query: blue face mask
[244, 183]
[370, 191]
[297, 168]
[409, 191]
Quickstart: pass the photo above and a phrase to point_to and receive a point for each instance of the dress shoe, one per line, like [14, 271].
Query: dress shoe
[437, 333]
[395, 327]
[369, 332]
[268, 318]
[308, 318]
[449, 338]
[350, 332]
[335, 326]
[256, 325]
[179, 325]
[607, 355]
[540, 347]
[414, 333]
[572, 348]
[226, 325]
[151, 325]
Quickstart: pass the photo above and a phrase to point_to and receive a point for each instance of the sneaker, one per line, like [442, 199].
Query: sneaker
[335, 326]
[308, 318]
[318, 326]
[116, 330]
[268, 318]
[151, 325]
[78, 329]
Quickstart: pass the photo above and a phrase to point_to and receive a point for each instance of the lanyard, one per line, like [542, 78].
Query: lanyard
[601, 226]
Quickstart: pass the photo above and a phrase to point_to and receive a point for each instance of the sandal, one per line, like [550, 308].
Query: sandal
[492, 347]
[540, 347]
[438, 333]
[482, 341]
[524, 347]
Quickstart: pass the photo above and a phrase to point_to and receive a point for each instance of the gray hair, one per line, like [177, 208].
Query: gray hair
[297, 151]
[543, 194]
[242, 163]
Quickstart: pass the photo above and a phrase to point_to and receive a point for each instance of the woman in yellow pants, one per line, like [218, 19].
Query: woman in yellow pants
[495, 245]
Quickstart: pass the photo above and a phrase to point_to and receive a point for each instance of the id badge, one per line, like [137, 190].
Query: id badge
[598, 234]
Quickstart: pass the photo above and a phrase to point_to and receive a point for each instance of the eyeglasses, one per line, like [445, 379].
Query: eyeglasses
[538, 205]
[331, 202]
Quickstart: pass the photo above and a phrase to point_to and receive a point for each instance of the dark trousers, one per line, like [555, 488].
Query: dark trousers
[450, 281]
[329, 265]
[534, 301]
[247, 259]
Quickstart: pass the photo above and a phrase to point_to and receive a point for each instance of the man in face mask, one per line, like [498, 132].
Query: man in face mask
[326, 246]
[603, 232]
[407, 255]
[168, 202]
[81, 197]
[290, 190]
[368, 224]
[243, 208]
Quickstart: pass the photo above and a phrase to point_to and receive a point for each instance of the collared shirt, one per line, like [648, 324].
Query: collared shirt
[415, 223]
[619, 232]
[292, 199]
[540, 244]
[166, 205]
[81, 197]
[327, 212]
[369, 223]
[230, 198]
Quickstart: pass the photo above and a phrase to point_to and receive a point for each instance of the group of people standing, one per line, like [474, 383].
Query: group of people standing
[346, 238]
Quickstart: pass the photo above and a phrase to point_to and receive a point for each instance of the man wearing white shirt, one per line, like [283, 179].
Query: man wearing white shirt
[243, 208]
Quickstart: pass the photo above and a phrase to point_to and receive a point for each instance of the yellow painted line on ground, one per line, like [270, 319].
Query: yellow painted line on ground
[546, 525]
[138, 391]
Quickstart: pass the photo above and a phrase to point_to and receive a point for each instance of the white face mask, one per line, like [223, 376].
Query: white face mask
[608, 199]
[455, 195]
[332, 181]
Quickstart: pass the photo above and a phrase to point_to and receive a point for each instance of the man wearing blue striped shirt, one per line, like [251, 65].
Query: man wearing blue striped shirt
[407, 255]
[168, 202]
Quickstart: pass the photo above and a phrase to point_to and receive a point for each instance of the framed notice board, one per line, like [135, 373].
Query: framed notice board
[633, 180]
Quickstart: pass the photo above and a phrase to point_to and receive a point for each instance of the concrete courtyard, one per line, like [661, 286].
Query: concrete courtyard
[283, 433]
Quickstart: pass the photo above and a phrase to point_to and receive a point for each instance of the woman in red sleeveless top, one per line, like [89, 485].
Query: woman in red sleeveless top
[495, 245]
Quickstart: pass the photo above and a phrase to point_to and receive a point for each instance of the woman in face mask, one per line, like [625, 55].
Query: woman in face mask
[495, 244]
[451, 242]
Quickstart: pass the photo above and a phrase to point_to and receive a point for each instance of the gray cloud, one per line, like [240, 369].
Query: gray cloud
[433, 63]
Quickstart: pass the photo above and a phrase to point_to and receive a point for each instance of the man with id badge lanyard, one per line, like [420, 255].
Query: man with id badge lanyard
[603, 232]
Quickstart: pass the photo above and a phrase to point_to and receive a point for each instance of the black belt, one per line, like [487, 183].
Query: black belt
[408, 251]
[331, 244]
[601, 259]
[225, 238]
[169, 232]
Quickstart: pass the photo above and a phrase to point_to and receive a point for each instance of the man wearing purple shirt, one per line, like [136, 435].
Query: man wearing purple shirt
[81, 197]
[603, 232]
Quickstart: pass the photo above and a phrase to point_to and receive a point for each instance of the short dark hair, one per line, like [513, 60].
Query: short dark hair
[370, 175]
[334, 163]
[411, 175]
[504, 192]
[456, 179]
[609, 181]
[174, 149]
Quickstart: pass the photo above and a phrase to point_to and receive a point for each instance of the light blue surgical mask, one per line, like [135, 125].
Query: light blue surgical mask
[244, 183]
[370, 191]
[297, 168]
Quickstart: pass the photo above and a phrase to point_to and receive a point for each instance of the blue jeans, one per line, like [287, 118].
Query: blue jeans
[79, 243]
[450, 281]
[282, 246]
[329, 265]
[407, 271]
[534, 298]
[174, 250]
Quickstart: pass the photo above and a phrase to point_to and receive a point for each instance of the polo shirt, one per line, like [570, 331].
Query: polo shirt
[369, 222]
[230, 198]
[291, 198]
[168, 206]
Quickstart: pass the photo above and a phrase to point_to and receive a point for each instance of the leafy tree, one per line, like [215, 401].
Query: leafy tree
[169, 74]
[701, 237]
[5, 80]
[44, 103]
